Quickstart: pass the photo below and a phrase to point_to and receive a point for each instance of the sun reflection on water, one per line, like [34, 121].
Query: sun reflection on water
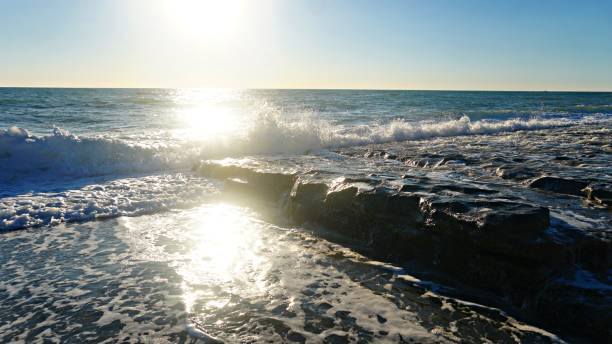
[225, 251]
[217, 250]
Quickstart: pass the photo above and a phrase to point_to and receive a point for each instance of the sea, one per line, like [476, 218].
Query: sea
[109, 234]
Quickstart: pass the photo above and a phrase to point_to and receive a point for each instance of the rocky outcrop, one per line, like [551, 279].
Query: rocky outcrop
[501, 246]
[268, 185]
[559, 185]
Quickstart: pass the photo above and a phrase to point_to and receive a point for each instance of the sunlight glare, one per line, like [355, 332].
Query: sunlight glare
[226, 247]
[205, 18]
[205, 116]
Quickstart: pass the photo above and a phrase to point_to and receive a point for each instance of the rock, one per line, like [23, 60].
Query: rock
[306, 201]
[381, 319]
[417, 162]
[600, 193]
[513, 217]
[405, 206]
[513, 232]
[375, 153]
[559, 185]
[595, 253]
[372, 202]
[411, 188]
[341, 197]
[269, 185]
[515, 172]
[336, 339]
[564, 160]
[576, 308]
[500, 246]
[462, 189]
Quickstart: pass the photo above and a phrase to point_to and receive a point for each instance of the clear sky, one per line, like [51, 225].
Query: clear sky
[377, 44]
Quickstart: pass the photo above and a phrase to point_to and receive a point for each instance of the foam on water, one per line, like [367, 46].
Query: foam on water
[120, 197]
[63, 154]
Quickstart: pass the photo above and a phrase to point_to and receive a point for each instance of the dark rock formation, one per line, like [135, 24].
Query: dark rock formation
[500, 246]
[599, 193]
[515, 172]
[267, 185]
[307, 201]
[559, 185]
[586, 307]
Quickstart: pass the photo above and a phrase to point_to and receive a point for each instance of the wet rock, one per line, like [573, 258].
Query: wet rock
[456, 157]
[405, 206]
[336, 339]
[462, 189]
[390, 156]
[411, 188]
[341, 197]
[497, 245]
[296, 337]
[501, 246]
[306, 201]
[577, 309]
[373, 201]
[515, 172]
[267, 185]
[512, 217]
[375, 153]
[381, 319]
[600, 193]
[559, 185]
[371, 179]
[595, 253]
[564, 160]
[417, 162]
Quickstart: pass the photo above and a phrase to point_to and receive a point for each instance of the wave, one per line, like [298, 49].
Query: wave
[65, 154]
[269, 134]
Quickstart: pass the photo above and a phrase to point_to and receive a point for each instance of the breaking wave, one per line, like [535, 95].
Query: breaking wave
[62, 153]
[271, 135]
[65, 154]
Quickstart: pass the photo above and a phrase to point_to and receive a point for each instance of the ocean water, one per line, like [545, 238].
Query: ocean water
[107, 233]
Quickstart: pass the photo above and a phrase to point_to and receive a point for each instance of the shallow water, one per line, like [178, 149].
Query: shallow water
[221, 271]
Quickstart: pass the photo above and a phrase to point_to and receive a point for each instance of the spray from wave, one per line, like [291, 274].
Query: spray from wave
[64, 154]
[271, 135]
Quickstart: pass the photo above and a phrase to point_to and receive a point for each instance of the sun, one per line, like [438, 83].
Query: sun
[205, 18]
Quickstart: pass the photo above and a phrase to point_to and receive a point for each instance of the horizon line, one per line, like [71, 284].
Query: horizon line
[309, 89]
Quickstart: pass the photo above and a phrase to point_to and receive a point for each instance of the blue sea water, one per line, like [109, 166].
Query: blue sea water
[104, 177]
[181, 126]
[96, 111]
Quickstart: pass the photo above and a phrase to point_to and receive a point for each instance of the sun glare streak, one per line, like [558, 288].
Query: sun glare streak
[205, 18]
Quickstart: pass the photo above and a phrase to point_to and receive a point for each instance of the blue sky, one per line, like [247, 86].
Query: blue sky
[436, 44]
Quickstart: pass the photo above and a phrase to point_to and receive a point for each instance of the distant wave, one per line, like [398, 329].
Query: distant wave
[65, 154]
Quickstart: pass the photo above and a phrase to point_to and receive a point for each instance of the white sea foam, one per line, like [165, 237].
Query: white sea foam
[64, 154]
[120, 197]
